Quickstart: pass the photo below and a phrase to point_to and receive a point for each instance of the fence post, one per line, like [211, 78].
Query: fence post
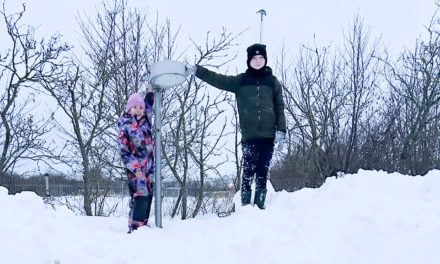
[46, 179]
[122, 188]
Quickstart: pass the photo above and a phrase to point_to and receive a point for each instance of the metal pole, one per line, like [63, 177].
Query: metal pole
[262, 13]
[157, 156]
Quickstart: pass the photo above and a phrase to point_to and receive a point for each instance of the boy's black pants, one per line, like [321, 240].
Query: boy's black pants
[257, 154]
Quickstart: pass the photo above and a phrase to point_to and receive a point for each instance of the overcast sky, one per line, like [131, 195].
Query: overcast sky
[293, 22]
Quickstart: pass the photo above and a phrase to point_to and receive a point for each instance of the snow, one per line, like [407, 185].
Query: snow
[370, 217]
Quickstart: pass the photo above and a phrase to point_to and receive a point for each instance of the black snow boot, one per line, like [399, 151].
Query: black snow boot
[149, 202]
[260, 197]
[245, 198]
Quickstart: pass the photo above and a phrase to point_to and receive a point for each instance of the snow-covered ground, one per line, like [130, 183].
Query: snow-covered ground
[369, 217]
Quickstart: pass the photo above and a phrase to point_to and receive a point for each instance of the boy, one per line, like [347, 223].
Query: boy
[261, 113]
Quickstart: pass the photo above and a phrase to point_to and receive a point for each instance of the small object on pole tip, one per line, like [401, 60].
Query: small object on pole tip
[262, 13]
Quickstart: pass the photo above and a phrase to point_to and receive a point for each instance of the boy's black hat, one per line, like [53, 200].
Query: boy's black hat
[256, 49]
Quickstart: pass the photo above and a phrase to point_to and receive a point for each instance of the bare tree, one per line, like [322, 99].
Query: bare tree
[193, 137]
[207, 139]
[117, 44]
[360, 68]
[238, 161]
[27, 63]
[416, 82]
[313, 104]
[379, 143]
[95, 91]
[85, 110]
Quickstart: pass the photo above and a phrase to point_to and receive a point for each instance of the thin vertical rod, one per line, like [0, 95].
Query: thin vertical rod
[262, 13]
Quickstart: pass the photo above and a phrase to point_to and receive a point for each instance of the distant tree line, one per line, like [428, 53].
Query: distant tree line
[348, 107]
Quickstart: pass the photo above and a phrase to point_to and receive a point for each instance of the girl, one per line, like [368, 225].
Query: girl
[136, 147]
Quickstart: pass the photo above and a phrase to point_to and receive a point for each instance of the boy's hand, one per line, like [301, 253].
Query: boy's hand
[190, 70]
[279, 140]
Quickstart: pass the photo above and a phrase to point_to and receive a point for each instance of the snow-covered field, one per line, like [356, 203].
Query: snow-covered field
[370, 217]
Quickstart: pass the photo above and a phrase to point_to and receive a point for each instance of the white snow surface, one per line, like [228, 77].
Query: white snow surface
[370, 217]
